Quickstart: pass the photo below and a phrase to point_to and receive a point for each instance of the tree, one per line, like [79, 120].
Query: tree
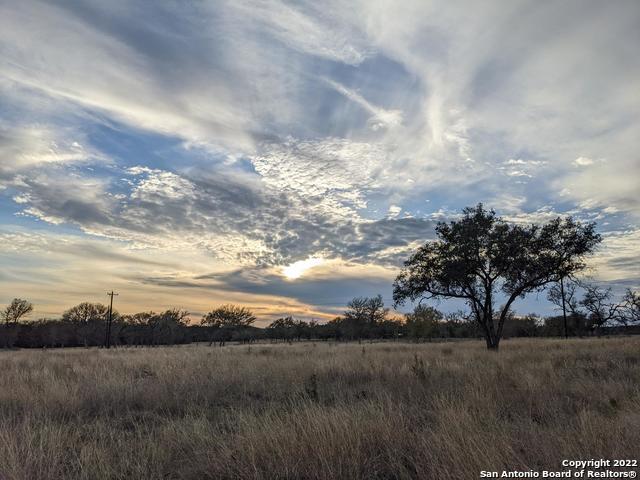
[527, 326]
[481, 254]
[423, 322]
[601, 310]
[225, 320]
[229, 316]
[140, 318]
[563, 296]
[17, 309]
[281, 328]
[86, 312]
[88, 320]
[366, 309]
[168, 327]
[363, 314]
[390, 328]
[461, 324]
[630, 308]
[288, 328]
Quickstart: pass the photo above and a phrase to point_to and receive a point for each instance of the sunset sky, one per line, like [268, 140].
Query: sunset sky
[288, 156]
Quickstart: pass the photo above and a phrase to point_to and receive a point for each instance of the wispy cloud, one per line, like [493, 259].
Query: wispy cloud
[297, 130]
[380, 118]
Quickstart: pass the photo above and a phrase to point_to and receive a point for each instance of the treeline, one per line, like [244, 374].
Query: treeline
[366, 318]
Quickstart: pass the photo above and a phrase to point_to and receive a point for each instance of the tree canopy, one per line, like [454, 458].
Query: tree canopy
[480, 254]
[87, 312]
[631, 307]
[423, 322]
[229, 316]
[17, 309]
[366, 310]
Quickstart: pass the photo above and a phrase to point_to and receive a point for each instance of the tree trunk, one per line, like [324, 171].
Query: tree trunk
[490, 336]
[493, 342]
[564, 308]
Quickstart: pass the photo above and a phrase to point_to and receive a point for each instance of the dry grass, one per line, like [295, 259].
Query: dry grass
[439, 411]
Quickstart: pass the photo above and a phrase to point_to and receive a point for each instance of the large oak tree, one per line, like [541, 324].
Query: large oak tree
[480, 254]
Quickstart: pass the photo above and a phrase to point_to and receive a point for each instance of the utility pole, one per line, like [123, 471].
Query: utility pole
[107, 340]
[564, 309]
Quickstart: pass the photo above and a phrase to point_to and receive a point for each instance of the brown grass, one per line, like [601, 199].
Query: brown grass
[386, 410]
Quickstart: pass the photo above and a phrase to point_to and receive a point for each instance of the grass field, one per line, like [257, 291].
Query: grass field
[339, 411]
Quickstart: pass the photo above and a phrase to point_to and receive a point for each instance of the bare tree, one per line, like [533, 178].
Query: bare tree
[597, 301]
[570, 287]
[17, 309]
[630, 312]
[563, 295]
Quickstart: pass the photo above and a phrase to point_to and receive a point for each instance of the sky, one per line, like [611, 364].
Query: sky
[288, 156]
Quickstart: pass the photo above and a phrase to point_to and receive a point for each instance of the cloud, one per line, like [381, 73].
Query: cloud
[519, 161]
[329, 286]
[29, 146]
[162, 209]
[305, 28]
[583, 162]
[605, 185]
[618, 260]
[394, 211]
[57, 197]
[339, 170]
[380, 118]
[92, 250]
[56, 271]
[300, 130]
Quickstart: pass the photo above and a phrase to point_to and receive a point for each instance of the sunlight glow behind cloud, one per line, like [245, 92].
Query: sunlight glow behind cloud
[299, 268]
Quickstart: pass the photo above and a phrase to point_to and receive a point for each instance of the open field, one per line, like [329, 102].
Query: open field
[386, 410]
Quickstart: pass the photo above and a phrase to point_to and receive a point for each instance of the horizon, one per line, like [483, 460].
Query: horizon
[288, 158]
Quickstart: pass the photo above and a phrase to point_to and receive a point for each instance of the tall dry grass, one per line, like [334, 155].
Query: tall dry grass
[386, 410]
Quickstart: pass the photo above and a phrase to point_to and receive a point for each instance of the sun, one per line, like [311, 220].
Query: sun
[297, 269]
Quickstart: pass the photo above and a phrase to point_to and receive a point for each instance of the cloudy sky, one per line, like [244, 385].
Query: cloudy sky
[289, 155]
